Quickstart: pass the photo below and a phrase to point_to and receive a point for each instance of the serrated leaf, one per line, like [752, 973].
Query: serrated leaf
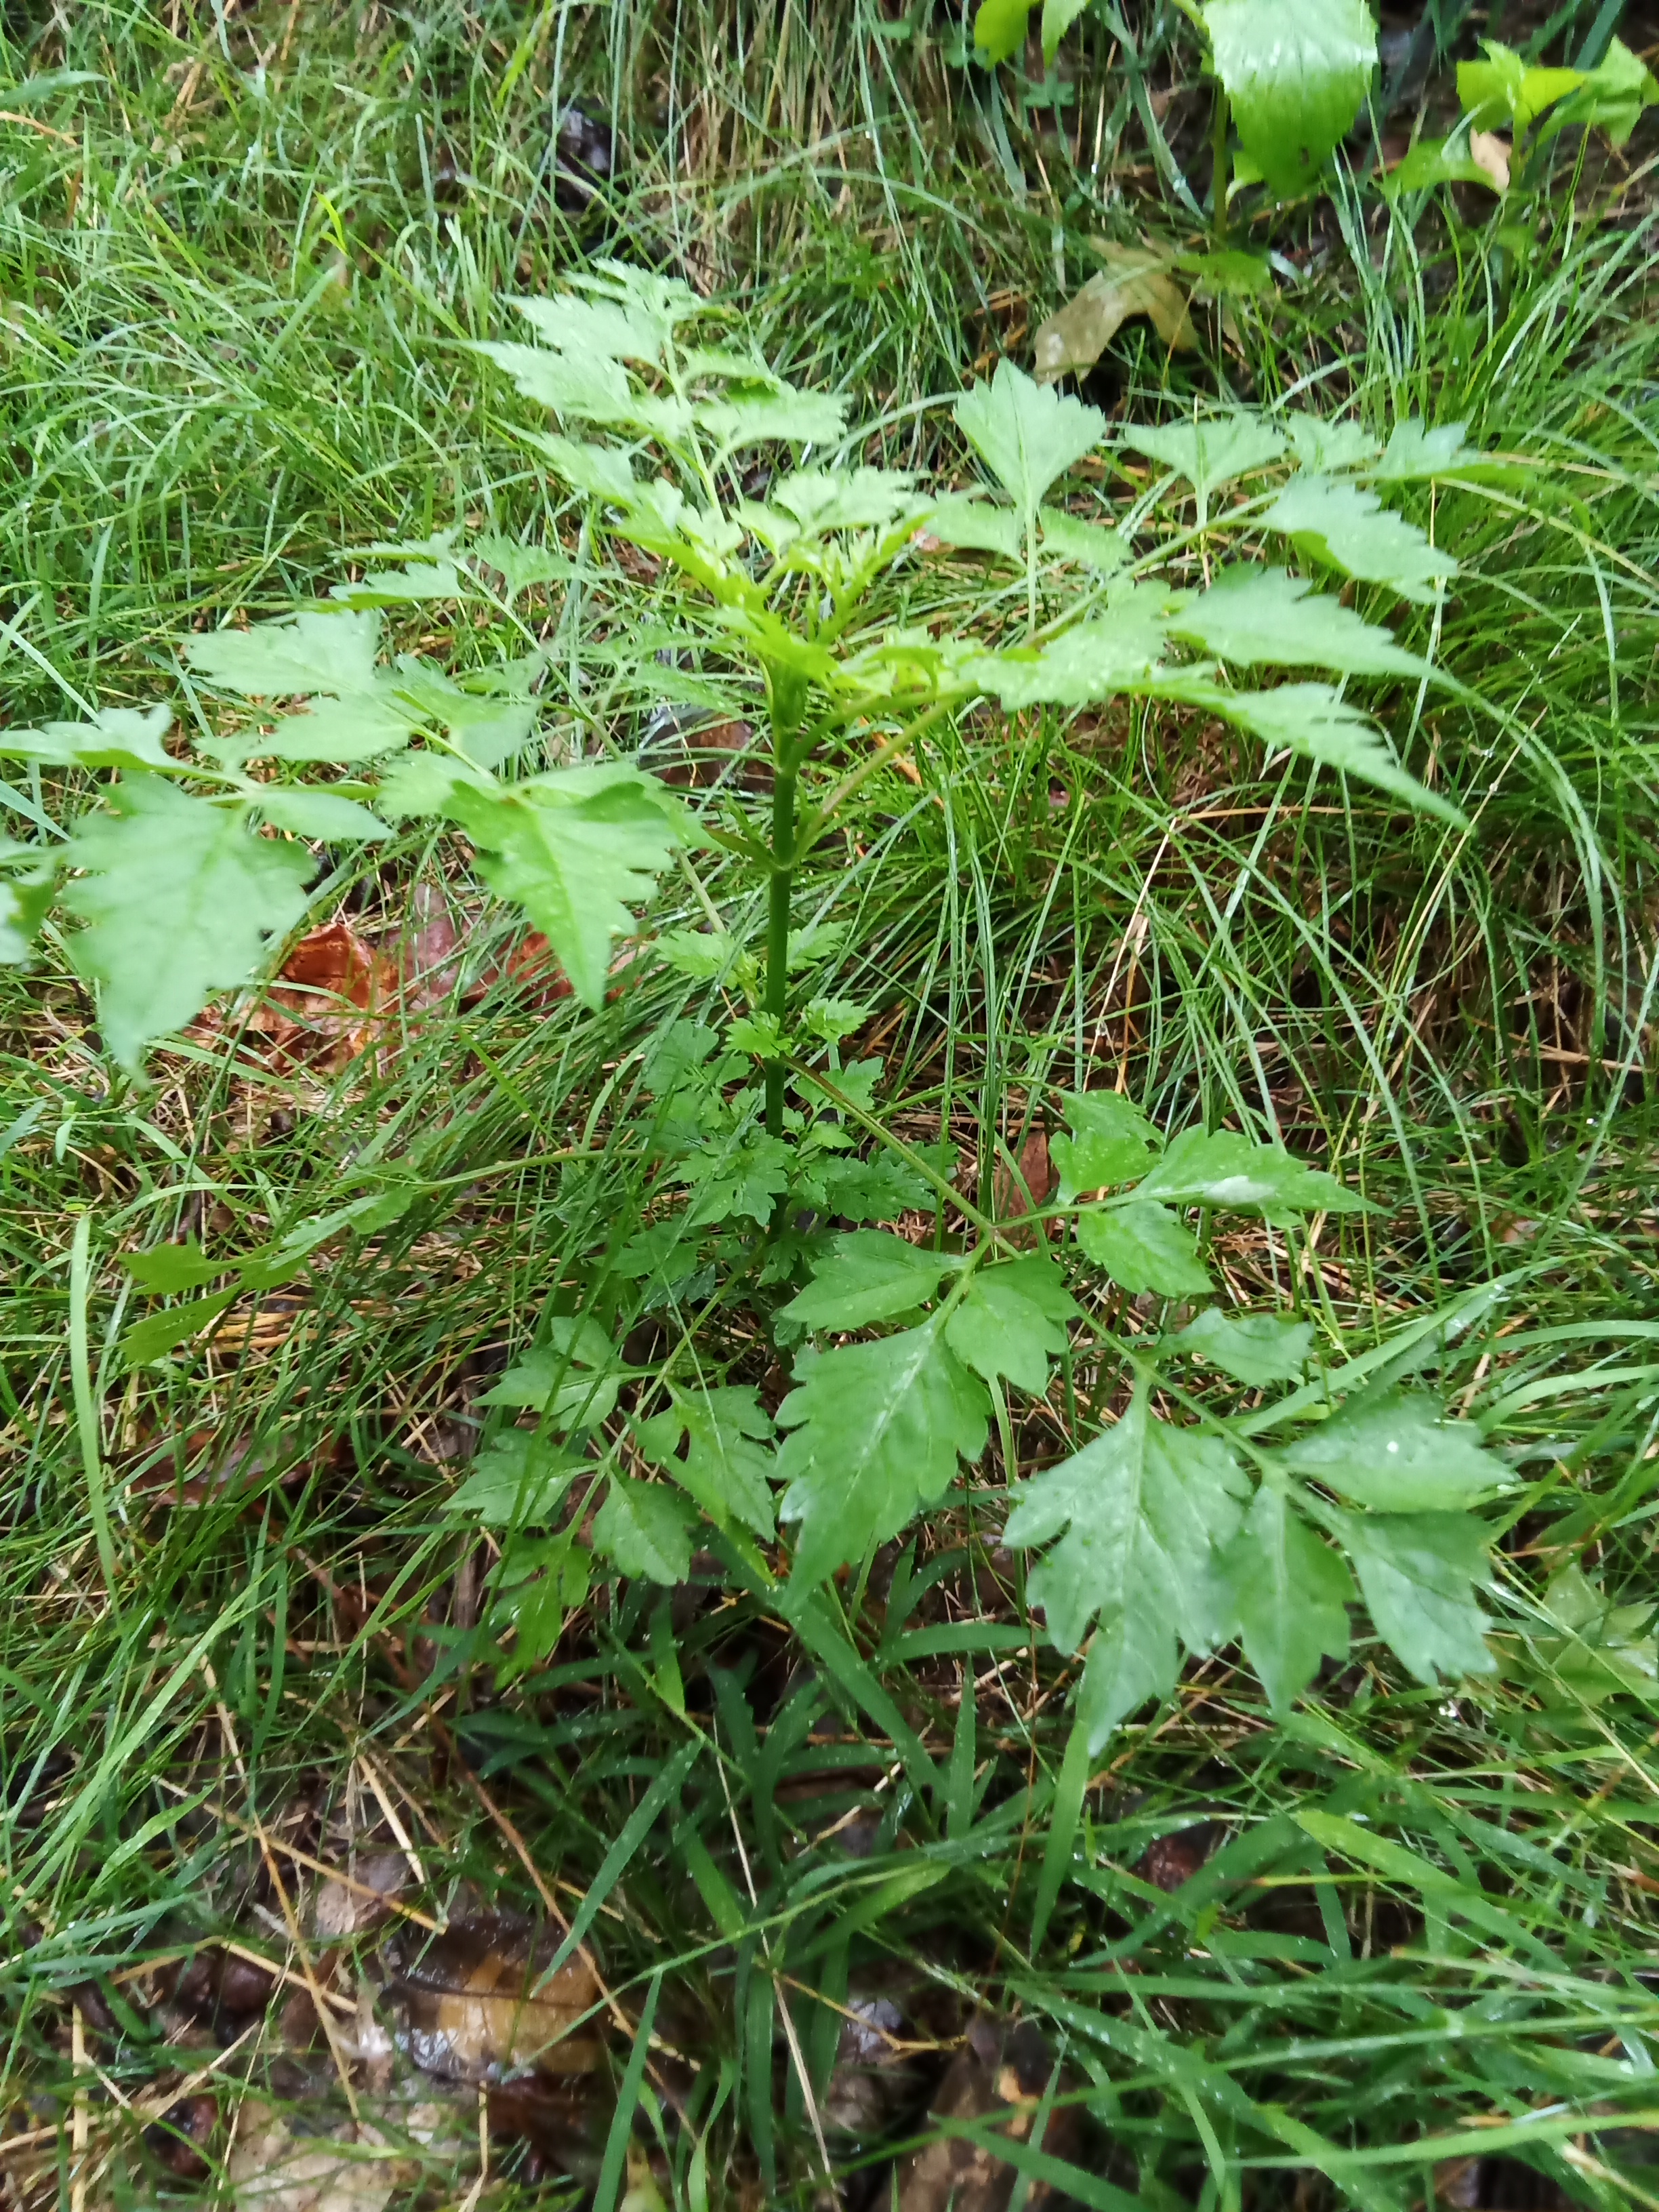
[310, 813]
[1089, 545]
[1289, 1593]
[413, 585]
[23, 907]
[878, 1430]
[166, 1269]
[1396, 1455]
[1210, 452]
[877, 1189]
[1297, 73]
[158, 1333]
[1321, 445]
[725, 1467]
[519, 1481]
[1026, 435]
[1605, 1647]
[969, 524]
[1257, 1350]
[821, 500]
[865, 1276]
[1348, 527]
[1414, 452]
[1011, 1322]
[737, 1178]
[572, 1380]
[786, 417]
[428, 783]
[1316, 722]
[1092, 662]
[576, 848]
[1146, 1510]
[601, 329]
[179, 900]
[584, 388]
[1058, 17]
[602, 471]
[1251, 615]
[116, 737]
[999, 28]
[1111, 1142]
[645, 1529]
[1219, 1167]
[1418, 1572]
[305, 653]
[1144, 1248]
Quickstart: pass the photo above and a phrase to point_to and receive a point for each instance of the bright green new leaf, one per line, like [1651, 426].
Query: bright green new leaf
[1251, 615]
[1257, 1350]
[179, 899]
[724, 1467]
[166, 1269]
[1219, 1167]
[602, 471]
[1011, 1322]
[999, 28]
[1025, 434]
[1212, 452]
[645, 1529]
[309, 651]
[878, 1430]
[576, 848]
[1093, 661]
[519, 1481]
[824, 499]
[1427, 164]
[600, 328]
[1289, 1593]
[1318, 723]
[306, 812]
[1350, 528]
[1111, 1142]
[1414, 452]
[1612, 98]
[572, 1380]
[1417, 1571]
[1297, 73]
[865, 1276]
[1144, 1248]
[362, 726]
[1395, 1455]
[971, 525]
[158, 1333]
[585, 387]
[786, 417]
[1323, 443]
[1506, 89]
[1058, 17]
[1146, 1508]
[118, 737]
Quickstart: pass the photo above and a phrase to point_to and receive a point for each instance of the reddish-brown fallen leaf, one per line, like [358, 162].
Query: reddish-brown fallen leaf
[329, 1002]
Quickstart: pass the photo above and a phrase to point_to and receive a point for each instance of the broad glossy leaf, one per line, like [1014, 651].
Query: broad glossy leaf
[1257, 1350]
[1315, 721]
[1324, 445]
[1145, 1508]
[1250, 616]
[1414, 452]
[1396, 1455]
[1297, 73]
[1111, 1142]
[1212, 452]
[577, 849]
[1026, 435]
[1343, 524]
[519, 1481]
[309, 651]
[118, 736]
[179, 899]
[1419, 1572]
[1144, 1248]
[724, 1467]
[1289, 1592]
[644, 1528]
[973, 526]
[865, 1276]
[1219, 1167]
[877, 1431]
[1011, 1322]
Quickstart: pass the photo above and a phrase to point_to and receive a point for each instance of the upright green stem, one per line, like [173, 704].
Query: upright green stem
[1218, 145]
[777, 923]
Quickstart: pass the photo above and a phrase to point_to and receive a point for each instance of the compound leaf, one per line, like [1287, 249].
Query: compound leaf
[1257, 1350]
[1212, 452]
[644, 1528]
[1317, 723]
[1343, 524]
[1025, 434]
[1288, 1594]
[1414, 452]
[971, 525]
[118, 736]
[1297, 73]
[306, 812]
[571, 1380]
[179, 899]
[1219, 1167]
[599, 330]
[878, 1432]
[1395, 1455]
[1144, 1248]
[1011, 1322]
[305, 653]
[519, 1481]
[1417, 1571]
[787, 416]
[866, 1277]
[725, 1467]
[361, 726]
[575, 848]
[1111, 1142]
[1251, 615]
[1322, 443]
[1093, 661]
[737, 1177]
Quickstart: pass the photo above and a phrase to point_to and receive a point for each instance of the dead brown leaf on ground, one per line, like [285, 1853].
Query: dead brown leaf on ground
[1003, 2069]
[475, 2007]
